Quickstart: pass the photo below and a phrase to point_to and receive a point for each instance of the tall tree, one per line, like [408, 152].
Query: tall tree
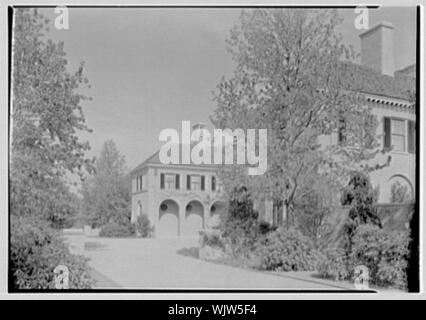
[290, 67]
[46, 118]
[107, 193]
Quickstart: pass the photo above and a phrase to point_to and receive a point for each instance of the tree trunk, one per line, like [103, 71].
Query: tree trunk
[285, 214]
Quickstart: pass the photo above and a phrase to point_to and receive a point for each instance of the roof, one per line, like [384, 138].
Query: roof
[155, 159]
[365, 80]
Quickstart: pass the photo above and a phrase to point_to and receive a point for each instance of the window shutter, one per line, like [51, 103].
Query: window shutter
[188, 182]
[213, 183]
[177, 182]
[388, 133]
[411, 136]
[162, 180]
[203, 180]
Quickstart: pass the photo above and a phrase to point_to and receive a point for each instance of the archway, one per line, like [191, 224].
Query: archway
[168, 219]
[402, 190]
[194, 218]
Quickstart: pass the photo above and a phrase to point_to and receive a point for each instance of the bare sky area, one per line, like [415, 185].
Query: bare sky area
[150, 69]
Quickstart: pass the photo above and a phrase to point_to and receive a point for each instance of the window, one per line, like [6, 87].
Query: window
[169, 181]
[140, 183]
[195, 182]
[396, 134]
[213, 183]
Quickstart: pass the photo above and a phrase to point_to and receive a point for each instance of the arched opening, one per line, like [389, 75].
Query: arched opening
[168, 219]
[216, 211]
[401, 190]
[194, 218]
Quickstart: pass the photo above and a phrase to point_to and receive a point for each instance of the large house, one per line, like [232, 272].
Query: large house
[181, 199]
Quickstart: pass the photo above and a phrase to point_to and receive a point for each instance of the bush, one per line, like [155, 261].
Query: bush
[287, 250]
[239, 226]
[384, 253]
[361, 196]
[36, 250]
[113, 230]
[143, 225]
[211, 238]
[335, 265]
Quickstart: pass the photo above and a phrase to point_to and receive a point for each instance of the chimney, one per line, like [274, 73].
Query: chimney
[377, 48]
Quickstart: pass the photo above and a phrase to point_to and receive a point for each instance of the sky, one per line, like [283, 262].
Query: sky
[150, 69]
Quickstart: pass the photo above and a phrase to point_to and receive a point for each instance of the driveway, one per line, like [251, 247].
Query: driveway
[172, 264]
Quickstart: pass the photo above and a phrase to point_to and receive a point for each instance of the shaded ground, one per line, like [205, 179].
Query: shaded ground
[172, 264]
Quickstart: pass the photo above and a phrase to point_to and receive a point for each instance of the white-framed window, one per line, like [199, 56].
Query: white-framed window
[398, 134]
[140, 183]
[195, 182]
[169, 181]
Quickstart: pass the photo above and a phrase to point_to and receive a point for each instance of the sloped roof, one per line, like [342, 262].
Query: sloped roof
[365, 80]
[155, 159]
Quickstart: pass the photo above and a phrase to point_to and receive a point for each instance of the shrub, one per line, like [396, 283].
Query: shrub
[240, 226]
[36, 250]
[384, 253]
[287, 250]
[334, 265]
[211, 238]
[265, 227]
[113, 230]
[361, 196]
[143, 225]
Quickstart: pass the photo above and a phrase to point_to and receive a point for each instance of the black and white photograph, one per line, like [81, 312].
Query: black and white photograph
[198, 149]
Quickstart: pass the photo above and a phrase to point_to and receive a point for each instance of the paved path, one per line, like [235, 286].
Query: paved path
[170, 263]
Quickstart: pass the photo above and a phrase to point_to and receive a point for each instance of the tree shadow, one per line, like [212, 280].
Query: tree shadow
[191, 252]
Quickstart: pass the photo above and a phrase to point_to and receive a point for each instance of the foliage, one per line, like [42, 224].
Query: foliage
[359, 194]
[287, 250]
[240, 225]
[384, 253]
[106, 195]
[314, 208]
[115, 230]
[288, 81]
[400, 193]
[265, 227]
[36, 250]
[47, 121]
[335, 265]
[47, 118]
[143, 226]
[211, 239]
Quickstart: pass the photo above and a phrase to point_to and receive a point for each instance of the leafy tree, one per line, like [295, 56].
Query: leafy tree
[46, 118]
[106, 195]
[239, 223]
[360, 195]
[291, 67]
